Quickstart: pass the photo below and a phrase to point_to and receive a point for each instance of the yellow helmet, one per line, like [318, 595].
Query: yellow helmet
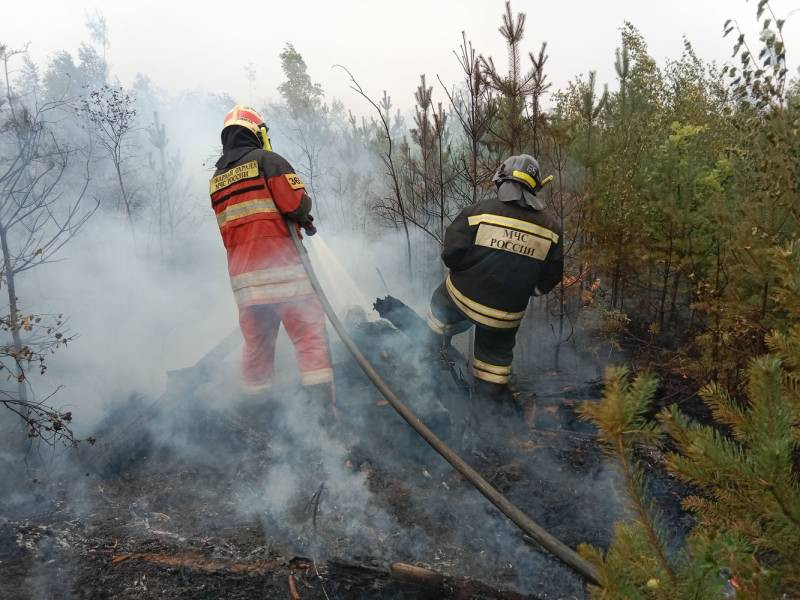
[246, 117]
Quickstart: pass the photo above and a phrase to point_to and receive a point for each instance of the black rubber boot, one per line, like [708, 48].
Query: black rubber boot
[261, 410]
[495, 398]
[433, 343]
[320, 394]
[321, 398]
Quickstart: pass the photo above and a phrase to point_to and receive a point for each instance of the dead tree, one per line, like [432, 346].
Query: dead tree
[559, 142]
[439, 128]
[309, 168]
[98, 30]
[170, 188]
[423, 137]
[539, 86]
[397, 204]
[157, 135]
[474, 107]
[590, 109]
[110, 111]
[37, 218]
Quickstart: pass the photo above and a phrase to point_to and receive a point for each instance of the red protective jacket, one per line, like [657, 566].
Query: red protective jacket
[252, 196]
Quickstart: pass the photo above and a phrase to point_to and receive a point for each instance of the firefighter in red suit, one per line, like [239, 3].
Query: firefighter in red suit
[256, 197]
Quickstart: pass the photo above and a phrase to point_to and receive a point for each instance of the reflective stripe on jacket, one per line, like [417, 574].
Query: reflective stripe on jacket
[252, 197]
[499, 255]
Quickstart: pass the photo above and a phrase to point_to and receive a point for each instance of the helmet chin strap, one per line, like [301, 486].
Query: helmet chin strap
[265, 141]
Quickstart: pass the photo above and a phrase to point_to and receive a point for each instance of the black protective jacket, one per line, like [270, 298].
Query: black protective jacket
[499, 255]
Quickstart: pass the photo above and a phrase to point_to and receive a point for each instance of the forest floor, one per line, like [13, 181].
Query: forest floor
[191, 515]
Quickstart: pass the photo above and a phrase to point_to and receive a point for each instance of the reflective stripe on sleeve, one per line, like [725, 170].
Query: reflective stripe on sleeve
[526, 226]
[245, 209]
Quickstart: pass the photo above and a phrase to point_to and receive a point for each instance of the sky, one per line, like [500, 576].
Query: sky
[205, 45]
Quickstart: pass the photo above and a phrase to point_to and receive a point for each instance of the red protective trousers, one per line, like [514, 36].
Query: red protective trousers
[304, 321]
[250, 198]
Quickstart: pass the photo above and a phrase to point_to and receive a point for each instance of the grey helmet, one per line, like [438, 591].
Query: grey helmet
[518, 179]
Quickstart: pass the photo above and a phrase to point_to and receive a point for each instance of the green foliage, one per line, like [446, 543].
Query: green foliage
[622, 424]
[620, 415]
[747, 504]
[685, 183]
[301, 95]
[691, 183]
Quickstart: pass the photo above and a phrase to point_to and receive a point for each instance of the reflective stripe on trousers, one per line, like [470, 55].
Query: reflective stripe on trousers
[494, 348]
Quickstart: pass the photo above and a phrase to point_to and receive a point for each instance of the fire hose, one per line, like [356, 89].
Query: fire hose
[553, 545]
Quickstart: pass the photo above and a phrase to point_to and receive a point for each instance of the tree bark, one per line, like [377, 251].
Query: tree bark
[665, 284]
[118, 169]
[674, 300]
[13, 313]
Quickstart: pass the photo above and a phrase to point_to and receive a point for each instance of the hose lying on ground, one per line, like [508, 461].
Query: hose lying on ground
[523, 521]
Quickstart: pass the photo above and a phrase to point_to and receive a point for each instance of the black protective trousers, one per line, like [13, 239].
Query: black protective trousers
[493, 348]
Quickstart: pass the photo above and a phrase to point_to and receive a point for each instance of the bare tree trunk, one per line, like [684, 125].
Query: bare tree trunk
[561, 308]
[674, 300]
[650, 287]
[441, 194]
[118, 169]
[13, 313]
[163, 200]
[408, 249]
[665, 284]
[717, 319]
[561, 291]
[474, 182]
[441, 204]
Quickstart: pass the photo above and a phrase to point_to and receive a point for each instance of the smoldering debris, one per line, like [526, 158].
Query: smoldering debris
[204, 492]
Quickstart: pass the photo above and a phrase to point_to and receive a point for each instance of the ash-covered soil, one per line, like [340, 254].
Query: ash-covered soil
[208, 495]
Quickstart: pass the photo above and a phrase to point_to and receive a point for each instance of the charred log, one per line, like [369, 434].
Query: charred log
[401, 316]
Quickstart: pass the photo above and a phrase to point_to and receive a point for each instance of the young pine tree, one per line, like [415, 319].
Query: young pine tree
[747, 534]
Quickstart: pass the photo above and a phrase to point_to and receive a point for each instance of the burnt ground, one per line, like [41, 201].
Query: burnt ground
[198, 495]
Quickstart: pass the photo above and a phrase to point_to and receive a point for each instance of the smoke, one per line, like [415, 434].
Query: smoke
[138, 319]
[134, 318]
[143, 306]
[311, 493]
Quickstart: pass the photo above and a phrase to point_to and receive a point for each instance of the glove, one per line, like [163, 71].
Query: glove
[309, 227]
